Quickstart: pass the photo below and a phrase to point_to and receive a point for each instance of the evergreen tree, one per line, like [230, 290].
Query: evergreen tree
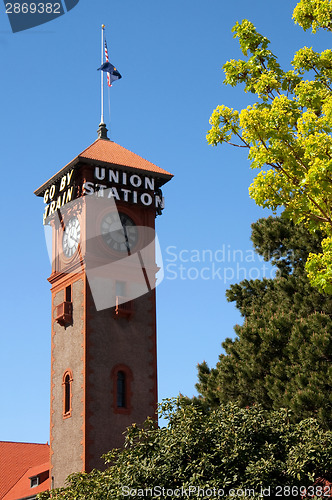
[282, 355]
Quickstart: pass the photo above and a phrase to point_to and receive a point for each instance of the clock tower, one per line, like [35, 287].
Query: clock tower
[101, 208]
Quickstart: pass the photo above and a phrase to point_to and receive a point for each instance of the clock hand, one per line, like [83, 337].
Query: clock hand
[126, 237]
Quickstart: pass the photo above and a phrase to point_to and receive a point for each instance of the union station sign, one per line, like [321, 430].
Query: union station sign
[107, 182]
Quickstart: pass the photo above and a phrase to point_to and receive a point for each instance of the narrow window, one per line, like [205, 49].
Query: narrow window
[121, 389]
[122, 379]
[67, 393]
[68, 294]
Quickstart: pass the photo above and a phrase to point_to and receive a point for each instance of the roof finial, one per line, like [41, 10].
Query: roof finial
[102, 131]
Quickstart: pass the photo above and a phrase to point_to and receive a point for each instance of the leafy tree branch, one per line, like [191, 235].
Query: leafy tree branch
[288, 129]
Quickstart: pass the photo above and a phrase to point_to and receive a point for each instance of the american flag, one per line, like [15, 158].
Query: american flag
[109, 83]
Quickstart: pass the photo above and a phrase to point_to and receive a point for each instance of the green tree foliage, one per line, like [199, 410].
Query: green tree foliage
[282, 355]
[227, 447]
[314, 14]
[287, 130]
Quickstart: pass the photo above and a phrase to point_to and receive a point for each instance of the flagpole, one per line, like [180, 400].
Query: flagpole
[102, 74]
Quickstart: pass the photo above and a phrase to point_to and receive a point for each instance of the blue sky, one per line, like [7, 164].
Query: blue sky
[170, 55]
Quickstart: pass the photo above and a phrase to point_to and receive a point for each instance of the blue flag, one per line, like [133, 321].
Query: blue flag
[111, 70]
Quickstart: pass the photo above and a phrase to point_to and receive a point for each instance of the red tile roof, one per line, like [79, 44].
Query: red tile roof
[103, 150]
[22, 489]
[16, 459]
[111, 152]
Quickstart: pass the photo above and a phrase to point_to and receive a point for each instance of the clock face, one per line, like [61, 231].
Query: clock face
[71, 237]
[121, 239]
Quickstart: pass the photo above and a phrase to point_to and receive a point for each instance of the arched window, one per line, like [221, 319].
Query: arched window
[122, 378]
[121, 389]
[67, 393]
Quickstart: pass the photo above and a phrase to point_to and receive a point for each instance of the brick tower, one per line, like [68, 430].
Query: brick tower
[101, 207]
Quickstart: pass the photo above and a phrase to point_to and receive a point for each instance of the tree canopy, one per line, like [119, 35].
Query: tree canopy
[287, 131]
[227, 449]
[313, 14]
[282, 355]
